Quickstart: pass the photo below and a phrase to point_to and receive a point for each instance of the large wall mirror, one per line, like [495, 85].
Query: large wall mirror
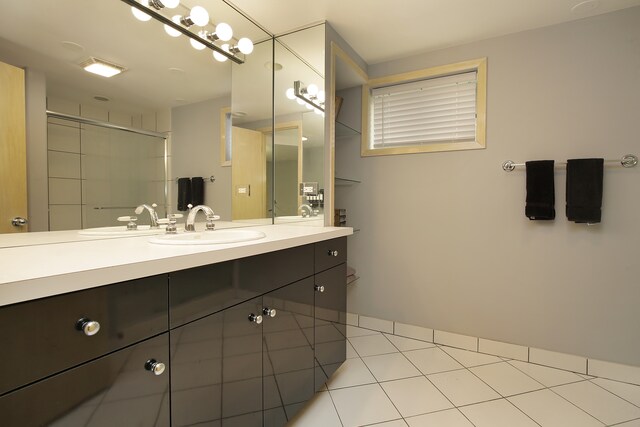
[157, 121]
[278, 133]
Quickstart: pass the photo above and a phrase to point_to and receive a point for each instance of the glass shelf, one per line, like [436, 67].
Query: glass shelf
[343, 130]
[345, 181]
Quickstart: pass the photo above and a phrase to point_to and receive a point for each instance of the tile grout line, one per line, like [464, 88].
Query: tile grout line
[570, 402]
[606, 389]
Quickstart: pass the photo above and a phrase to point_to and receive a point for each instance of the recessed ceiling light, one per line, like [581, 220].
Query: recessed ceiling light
[273, 66]
[72, 46]
[101, 98]
[585, 7]
[101, 67]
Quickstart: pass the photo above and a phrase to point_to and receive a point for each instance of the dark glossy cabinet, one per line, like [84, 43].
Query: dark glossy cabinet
[114, 390]
[240, 343]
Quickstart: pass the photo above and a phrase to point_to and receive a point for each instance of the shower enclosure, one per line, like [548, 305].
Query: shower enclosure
[99, 171]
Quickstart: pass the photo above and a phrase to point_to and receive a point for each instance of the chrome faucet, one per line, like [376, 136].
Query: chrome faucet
[152, 213]
[191, 218]
[306, 210]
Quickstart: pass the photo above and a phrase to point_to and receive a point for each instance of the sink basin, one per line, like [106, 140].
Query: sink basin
[209, 237]
[121, 230]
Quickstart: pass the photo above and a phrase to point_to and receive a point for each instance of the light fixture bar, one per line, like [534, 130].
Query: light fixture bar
[297, 91]
[168, 22]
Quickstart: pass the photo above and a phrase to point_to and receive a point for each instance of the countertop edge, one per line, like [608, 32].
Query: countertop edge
[12, 292]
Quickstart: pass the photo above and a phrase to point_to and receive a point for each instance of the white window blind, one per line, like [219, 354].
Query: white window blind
[441, 109]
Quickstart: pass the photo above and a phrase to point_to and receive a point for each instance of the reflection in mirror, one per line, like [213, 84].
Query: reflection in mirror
[87, 174]
[299, 127]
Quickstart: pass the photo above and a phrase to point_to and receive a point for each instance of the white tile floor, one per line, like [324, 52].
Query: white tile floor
[391, 381]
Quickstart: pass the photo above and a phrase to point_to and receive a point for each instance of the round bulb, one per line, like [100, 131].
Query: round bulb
[321, 96]
[220, 57]
[172, 31]
[140, 15]
[171, 4]
[245, 45]
[309, 106]
[199, 16]
[300, 101]
[196, 44]
[290, 93]
[312, 89]
[224, 31]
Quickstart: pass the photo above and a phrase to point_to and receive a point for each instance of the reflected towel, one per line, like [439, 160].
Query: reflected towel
[197, 191]
[540, 190]
[184, 193]
[584, 190]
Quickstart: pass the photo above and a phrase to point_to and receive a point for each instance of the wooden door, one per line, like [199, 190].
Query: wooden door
[13, 148]
[248, 174]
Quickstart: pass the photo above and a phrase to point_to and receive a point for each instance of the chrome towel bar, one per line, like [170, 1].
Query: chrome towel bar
[627, 161]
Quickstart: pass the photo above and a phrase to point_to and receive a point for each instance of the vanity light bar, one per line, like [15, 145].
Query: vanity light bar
[300, 92]
[168, 22]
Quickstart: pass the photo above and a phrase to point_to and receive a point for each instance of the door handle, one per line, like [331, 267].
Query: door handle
[19, 221]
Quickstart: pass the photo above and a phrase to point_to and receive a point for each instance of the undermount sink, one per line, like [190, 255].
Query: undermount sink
[215, 237]
[121, 230]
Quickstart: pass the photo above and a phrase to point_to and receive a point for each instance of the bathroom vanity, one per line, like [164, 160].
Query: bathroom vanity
[238, 334]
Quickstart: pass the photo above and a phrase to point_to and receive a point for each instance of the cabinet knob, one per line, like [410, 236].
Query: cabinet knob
[319, 288]
[255, 319]
[88, 326]
[271, 312]
[152, 365]
[332, 253]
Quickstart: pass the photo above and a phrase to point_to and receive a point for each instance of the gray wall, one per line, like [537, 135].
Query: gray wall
[195, 151]
[444, 241]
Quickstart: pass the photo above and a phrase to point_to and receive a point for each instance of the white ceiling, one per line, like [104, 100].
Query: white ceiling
[383, 30]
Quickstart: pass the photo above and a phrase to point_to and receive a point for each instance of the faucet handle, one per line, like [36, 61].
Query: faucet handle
[175, 216]
[130, 220]
[210, 226]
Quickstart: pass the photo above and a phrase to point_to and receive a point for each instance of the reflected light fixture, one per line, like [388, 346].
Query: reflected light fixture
[311, 96]
[101, 67]
[200, 39]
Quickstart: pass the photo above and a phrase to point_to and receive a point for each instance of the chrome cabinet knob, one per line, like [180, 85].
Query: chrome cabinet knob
[319, 288]
[255, 319]
[88, 326]
[152, 365]
[19, 221]
[332, 253]
[271, 312]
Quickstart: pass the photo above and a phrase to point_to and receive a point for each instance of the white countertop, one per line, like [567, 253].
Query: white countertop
[39, 270]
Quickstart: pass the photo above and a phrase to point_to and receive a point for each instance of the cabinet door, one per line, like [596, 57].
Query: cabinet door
[330, 319]
[288, 351]
[216, 375]
[116, 390]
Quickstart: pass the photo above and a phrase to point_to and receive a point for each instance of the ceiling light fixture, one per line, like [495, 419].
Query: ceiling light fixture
[311, 96]
[101, 67]
[198, 16]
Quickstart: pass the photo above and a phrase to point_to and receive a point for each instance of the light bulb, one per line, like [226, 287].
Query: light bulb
[224, 31]
[290, 93]
[309, 106]
[171, 4]
[140, 15]
[300, 101]
[312, 89]
[172, 31]
[196, 44]
[220, 57]
[199, 16]
[321, 96]
[245, 45]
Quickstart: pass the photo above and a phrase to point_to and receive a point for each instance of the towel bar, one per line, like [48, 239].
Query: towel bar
[210, 179]
[627, 161]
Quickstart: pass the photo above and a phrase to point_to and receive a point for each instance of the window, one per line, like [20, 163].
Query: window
[436, 109]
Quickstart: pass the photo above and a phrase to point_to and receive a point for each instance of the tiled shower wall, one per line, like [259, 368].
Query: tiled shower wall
[131, 157]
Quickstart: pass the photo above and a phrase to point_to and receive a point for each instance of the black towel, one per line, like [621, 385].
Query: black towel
[584, 190]
[184, 193]
[541, 196]
[197, 191]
